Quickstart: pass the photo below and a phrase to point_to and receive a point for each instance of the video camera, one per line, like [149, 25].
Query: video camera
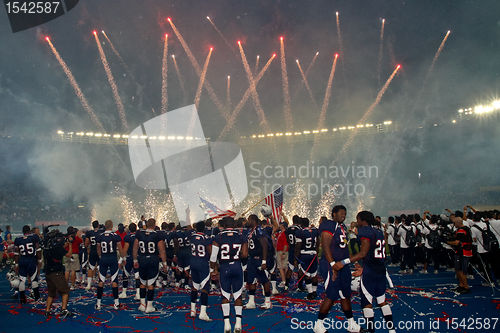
[53, 238]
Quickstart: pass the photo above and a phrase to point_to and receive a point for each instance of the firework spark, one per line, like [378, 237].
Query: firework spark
[230, 122]
[304, 79]
[198, 70]
[371, 108]
[76, 87]
[180, 78]
[202, 79]
[112, 83]
[286, 93]
[253, 91]
[164, 71]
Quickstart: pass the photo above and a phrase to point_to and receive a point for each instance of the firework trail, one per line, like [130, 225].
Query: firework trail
[438, 52]
[328, 93]
[304, 79]
[180, 78]
[228, 93]
[256, 64]
[253, 91]
[115, 51]
[371, 108]
[309, 67]
[76, 87]
[197, 68]
[112, 83]
[246, 95]
[202, 79]
[164, 64]
[286, 92]
[221, 34]
[380, 50]
[326, 101]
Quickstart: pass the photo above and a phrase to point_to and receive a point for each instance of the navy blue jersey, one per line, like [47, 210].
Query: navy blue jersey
[183, 238]
[308, 238]
[375, 259]
[108, 241]
[170, 239]
[148, 242]
[27, 245]
[92, 236]
[130, 239]
[200, 244]
[230, 242]
[338, 246]
[290, 237]
[254, 245]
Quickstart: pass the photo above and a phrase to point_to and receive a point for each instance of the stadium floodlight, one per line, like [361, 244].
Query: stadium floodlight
[496, 104]
[270, 134]
[261, 136]
[134, 137]
[315, 131]
[180, 137]
[98, 135]
[297, 133]
[189, 138]
[335, 129]
[342, 128]
[307, 132]
[116, 136]
[368, 125]
[152, 138]
[279, 134]
[460, 110]
[323, 130]
[161, 137]
[254, 136]
[106, 135]
[351, 127]
[288, 133]
[387, 122]
[454, 121]
[89, 134]
[360, 126]
[60, 132]
[125, 136]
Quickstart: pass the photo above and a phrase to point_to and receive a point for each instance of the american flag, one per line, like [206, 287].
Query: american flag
[275, 200]
[213, 211]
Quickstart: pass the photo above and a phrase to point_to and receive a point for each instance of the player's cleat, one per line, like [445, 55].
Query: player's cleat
[266, 306]
[250, 305]
[123, 294]
[282, 284]
[319, 327]
[275, 291]
[227, 327]
[237, 329]
[142, 307]
[204, 316]
[137, 295]
[117, 306]
[87, 288]
[150, 309]
[352, 326]
[98, 306]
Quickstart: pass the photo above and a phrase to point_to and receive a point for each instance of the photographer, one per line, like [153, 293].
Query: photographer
[54, 252]
[463, 251]
[71, 261]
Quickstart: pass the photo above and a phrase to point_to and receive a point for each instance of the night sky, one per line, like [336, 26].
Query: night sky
[38, 99]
